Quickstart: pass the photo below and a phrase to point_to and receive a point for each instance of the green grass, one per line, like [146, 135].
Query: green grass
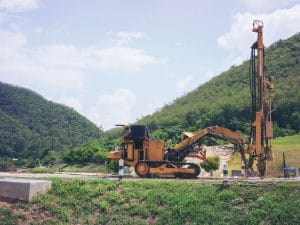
[173, 202]
[289, 141]
[290, 145]
[8, 217]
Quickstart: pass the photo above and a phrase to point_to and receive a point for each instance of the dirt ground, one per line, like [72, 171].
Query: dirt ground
[27, 213]
[53, 175]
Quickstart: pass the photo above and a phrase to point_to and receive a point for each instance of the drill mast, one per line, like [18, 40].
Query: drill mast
[261, 128]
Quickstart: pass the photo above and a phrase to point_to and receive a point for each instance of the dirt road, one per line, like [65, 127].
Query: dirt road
[130, 177]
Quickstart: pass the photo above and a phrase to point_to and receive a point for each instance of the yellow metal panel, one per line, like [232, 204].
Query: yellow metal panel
[269, 130]
[258, 147]
[132, 162]
[114, 155]
[130, 155]
[155, 150]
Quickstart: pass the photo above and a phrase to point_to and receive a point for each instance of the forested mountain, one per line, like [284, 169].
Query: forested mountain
[225, 100]
[31, 126]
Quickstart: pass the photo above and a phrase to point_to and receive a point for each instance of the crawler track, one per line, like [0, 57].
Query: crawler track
[167, 168]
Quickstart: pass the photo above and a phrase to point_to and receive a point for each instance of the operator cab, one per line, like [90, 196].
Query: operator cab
[135, 132]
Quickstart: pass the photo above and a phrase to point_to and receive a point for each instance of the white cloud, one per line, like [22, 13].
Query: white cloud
[124, 38]
[26, 73]
[11, 43]
[280, 24]
[18, 66]
[19, 5]
[108, 109]
[125, 59]
[130, 35]
[72, 102]
[120, 59]
[111, 109]
[178, 43]
[263, 5]
[3, 17]
[183, 84]
[181, 43]
[63, 66]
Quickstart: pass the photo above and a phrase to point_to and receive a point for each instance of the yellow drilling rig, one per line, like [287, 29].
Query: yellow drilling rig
[150, 158]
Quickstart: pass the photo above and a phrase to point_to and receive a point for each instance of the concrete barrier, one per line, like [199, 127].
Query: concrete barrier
[22, 188]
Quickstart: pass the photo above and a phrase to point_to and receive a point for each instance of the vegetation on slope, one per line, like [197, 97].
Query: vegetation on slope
[31, 126]
[225, 100]
[161, 202]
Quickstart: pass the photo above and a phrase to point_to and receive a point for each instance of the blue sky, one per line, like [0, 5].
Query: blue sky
[116, 61]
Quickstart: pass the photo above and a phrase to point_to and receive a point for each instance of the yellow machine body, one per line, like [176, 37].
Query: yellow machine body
[152, 150]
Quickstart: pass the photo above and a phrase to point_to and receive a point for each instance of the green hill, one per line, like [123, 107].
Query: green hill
[225, 100]
[31, 126]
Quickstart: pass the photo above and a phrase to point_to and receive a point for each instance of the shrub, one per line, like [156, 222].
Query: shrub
[90, 153]
[51, 158]
[211, 163]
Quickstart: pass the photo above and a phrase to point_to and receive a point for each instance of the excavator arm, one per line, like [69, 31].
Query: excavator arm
[216, 131]
[186, 147]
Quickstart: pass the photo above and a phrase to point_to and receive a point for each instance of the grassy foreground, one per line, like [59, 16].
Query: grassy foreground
[158, 202]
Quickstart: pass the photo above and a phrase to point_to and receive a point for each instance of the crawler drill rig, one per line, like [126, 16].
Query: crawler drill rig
[150, 158]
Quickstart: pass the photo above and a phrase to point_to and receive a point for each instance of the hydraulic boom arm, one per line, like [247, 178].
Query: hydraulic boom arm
[186, 147]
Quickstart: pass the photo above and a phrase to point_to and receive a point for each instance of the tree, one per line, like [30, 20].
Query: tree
[51, 158]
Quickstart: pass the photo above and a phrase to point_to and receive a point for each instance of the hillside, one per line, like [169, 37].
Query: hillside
[30, 125]
[225, 99]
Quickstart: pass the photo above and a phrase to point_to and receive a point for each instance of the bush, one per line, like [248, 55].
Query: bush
[51, 158]
[112, 166]
[92, 153]
[211, 163]
[33, 163]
